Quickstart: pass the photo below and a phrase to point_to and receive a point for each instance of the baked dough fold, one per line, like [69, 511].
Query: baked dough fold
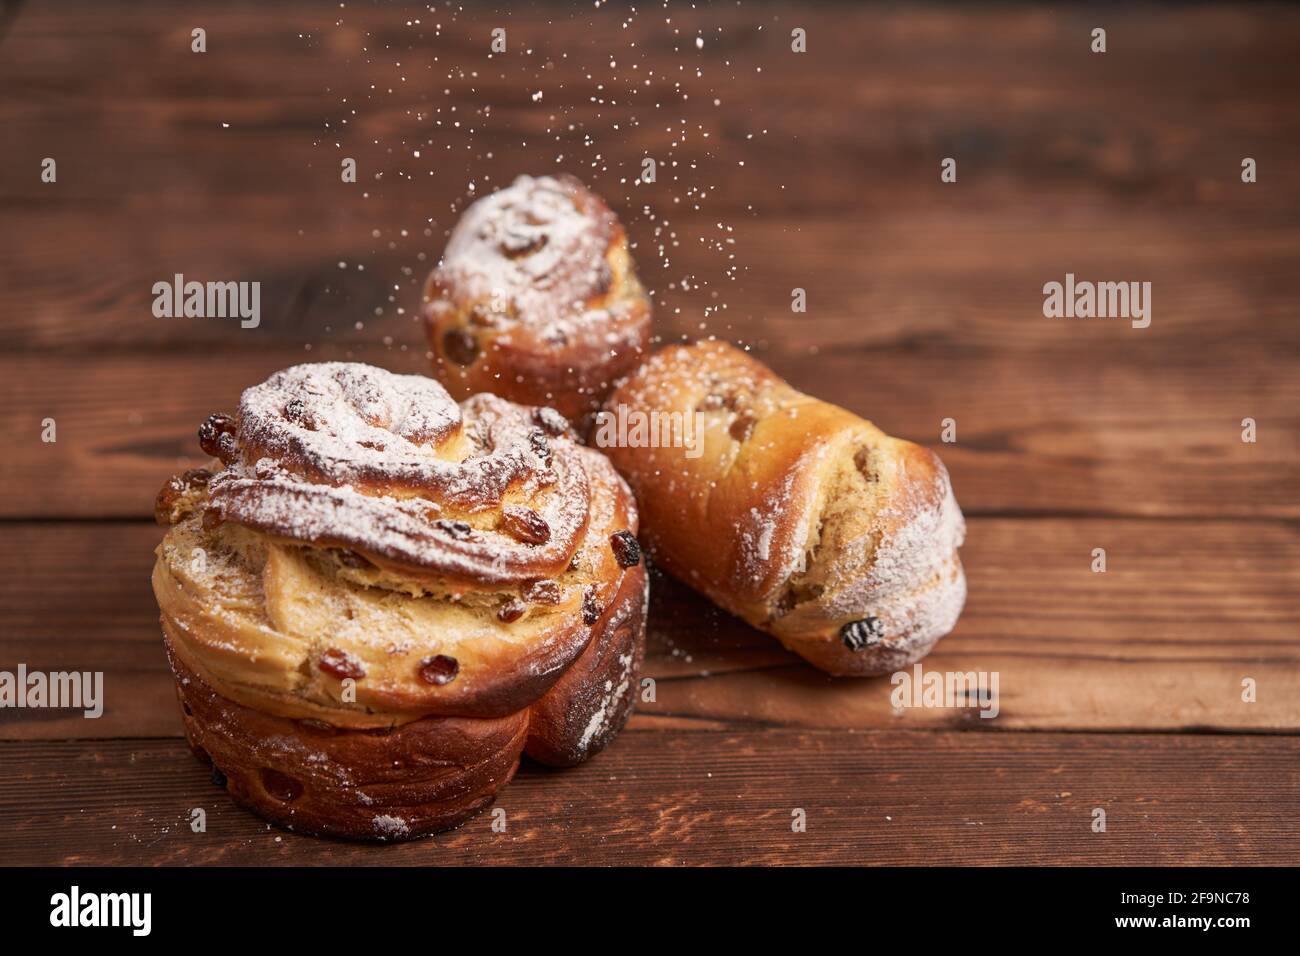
[370, 568]
[794, 514]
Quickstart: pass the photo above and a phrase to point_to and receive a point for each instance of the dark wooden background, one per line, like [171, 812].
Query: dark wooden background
[775, 170]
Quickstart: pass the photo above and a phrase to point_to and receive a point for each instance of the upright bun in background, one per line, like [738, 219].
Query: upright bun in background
[381, 599]
[536, 299]
[796, 515]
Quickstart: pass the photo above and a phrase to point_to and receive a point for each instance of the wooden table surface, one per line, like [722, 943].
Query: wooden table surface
[775, 170]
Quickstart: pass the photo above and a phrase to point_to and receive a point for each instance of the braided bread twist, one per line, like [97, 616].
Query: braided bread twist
[796, 515]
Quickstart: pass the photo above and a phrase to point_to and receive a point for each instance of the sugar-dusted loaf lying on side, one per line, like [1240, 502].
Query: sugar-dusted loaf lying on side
[794, 514]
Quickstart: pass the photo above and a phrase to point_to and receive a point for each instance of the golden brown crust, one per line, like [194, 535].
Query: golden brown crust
[536, 298]
[371, 619]
[412, 780]
[797, 515]
[590, 703]
[430, 774]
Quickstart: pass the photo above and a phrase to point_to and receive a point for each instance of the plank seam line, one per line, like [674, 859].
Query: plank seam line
[730, 725]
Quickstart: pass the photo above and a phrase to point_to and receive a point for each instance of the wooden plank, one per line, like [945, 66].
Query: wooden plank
[927, 278]
[1033, 436]
[1161, 641]
[718, 796]
[924, 304]
[1085, 177]
[305, 69]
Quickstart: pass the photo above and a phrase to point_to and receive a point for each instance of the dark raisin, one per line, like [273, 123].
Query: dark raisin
[627, 552]
[439, 670]
[341, 664]
[516, 243]
[353, 560]
[211, 520]
[862, 461]
[460, 346]
[542, 591]
[541, 447]
[590, 605]
[296, 411]
[217, 437]
[457, 529]
[196, 478]
[525, 524]
[512, 611]
[280, 785]
[550, 421]
[218, 778]
[742, 427]
[864, 633]
[164, 506]
[216, 425]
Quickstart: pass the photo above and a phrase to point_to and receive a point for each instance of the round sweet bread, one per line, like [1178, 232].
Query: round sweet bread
[376, 574]
[536, 298]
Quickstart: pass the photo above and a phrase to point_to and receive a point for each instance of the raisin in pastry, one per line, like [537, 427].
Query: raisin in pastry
[796, 515]
[376, 600]
[536, 298]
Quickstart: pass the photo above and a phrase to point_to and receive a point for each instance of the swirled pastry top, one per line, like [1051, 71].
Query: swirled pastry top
[351, 456]
[535, 297]
[447, 559]
[537, 246]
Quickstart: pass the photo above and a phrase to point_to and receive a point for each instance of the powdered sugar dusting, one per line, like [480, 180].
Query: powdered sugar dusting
[536, 248]
[346, 455]
[608, 708]
[389, 827]
[914, 549]
[915, 583]
[766, 557]
[342, 421]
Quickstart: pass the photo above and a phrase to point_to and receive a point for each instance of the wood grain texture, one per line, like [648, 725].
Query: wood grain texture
[1119, 690]
[1162, 641]
[719, 797]
[1123, 164]
[1105, 439]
